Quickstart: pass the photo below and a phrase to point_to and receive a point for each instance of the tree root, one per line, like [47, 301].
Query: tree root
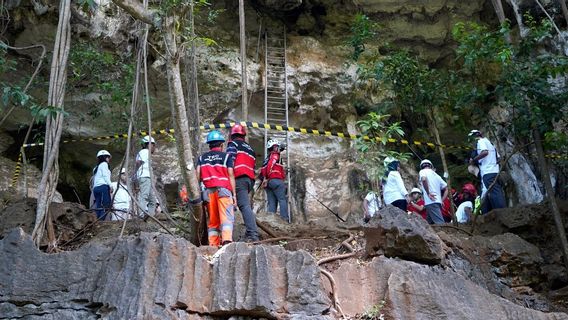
[333, 291]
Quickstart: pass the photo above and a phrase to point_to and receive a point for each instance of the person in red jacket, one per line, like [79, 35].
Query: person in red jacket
[215, 171]
[272, 176]
[416, 204]
[244, 159]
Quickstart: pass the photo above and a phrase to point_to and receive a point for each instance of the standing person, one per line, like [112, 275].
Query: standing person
[121, 201]
[487, 157]
[215, 171]
[416, 204]
[394, 191]
[371, 205]
[244, 160]
[434, 192]
[101, 184]
[146, 196]
[272, 176]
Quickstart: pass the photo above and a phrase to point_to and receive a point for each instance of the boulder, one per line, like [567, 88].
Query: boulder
[155, 276]
[397, 234]
[400, 289]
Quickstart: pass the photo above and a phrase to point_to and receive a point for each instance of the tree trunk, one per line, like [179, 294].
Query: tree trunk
[54, 123]
[498, 6]
[183, 141]
[434, 129]
[545, 173]
[564, 10]
[192, 88]
[243, 60]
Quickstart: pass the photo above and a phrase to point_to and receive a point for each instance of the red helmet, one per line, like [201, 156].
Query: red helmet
[238, 129]
[469, 188]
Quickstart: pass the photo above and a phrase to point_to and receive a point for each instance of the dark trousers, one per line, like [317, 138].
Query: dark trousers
[276, 195]
[495, 197]
[434, 213]
[102, 199]
[401, 204]
[244, 185]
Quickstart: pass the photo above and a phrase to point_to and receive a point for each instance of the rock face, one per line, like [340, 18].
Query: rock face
[157, 277]
[397, 234]
[408, 290]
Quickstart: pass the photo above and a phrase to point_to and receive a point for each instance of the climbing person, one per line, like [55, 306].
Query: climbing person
[272, 176]
[215, 171]
[244, 160]
[101, 184]
[434, 192]
[488, 159]
[416, 204]
[121, 200]
[394, 191]
[146, 196]
[371, 205]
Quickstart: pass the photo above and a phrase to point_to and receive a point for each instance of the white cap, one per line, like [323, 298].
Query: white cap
[148, 139]
[474, 132]
[426, 161]
[103, 153]
[415, 190]
[123, 170]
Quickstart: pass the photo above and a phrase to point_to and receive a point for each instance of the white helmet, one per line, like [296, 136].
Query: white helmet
[388, 160]
[474, 133]
[415, 190]
[426, 161]
[148, 139]
[103, 153]
[271, 143]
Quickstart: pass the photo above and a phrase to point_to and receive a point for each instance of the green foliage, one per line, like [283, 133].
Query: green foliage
[362, 30]
[372, 151]
[374, 313]
[112, 76]
[523, 76]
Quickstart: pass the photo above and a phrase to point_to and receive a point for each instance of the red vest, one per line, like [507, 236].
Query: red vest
[245, 160]
[214, 169]
[272, 167]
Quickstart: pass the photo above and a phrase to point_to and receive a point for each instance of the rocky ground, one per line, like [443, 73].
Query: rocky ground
[396, 266]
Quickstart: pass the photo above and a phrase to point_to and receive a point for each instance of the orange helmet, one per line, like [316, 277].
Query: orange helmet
[238, 129]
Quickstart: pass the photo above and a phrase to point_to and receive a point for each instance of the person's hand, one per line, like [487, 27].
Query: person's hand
[366, 218]
[264, 184]
[235, 202]
[471, 161]
[432, 196]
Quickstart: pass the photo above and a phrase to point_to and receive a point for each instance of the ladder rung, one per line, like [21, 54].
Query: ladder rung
[273, 108]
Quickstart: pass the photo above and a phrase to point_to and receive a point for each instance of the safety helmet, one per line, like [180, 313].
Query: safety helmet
[469, 188]
[426, 162]
[388, 160]
[103, 153]
[148, 139]
[475, 133]
[271, 143]
[415, 190]
[238, 129]
[215, 136]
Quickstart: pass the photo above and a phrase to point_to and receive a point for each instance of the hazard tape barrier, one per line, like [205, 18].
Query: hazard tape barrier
[17, 170]
[259, 125]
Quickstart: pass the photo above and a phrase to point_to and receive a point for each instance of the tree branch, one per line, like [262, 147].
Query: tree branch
[137, 10]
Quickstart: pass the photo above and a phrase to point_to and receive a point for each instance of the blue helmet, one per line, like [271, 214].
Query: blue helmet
[215, 136]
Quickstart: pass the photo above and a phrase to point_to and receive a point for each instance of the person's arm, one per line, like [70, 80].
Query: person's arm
[274, 157]
[445, 193]
[401, 187]
[139, 161]
[424, 180]
[365, 207]
[232, 150]
[481, 145]
[468, 213]
[106, 175]
[198, 173]
[233, 184]
[417, 206]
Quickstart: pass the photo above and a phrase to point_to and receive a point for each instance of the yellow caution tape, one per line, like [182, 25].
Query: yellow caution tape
[258, 125]
[17, 170]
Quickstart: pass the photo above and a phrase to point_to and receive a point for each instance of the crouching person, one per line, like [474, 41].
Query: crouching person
[215, 171]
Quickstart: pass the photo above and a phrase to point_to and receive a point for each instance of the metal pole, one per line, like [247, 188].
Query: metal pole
[243, 59]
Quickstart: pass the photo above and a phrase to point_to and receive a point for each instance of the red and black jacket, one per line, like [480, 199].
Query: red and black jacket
[244, 158]
[272, 167]
[214, 169]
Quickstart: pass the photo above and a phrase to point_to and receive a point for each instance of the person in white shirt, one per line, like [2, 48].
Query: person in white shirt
[101, 184]
[394, 191]
[371, 206]
[487, 157]
[434, 192]
[146, 196]
[121, 201]
[464, 211]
